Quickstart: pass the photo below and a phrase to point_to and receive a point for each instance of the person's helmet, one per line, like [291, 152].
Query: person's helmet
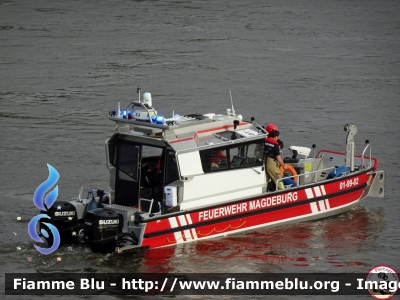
[270, 127]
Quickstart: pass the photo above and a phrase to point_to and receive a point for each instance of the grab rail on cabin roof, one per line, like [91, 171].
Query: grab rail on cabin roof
[221, 144]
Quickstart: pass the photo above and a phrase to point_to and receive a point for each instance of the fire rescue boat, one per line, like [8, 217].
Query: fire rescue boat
[200, 176]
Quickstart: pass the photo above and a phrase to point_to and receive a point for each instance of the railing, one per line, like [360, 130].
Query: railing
[148, 213]
[108, 156]
[220, 145]
[146, 200]
[362, 155]
[308, 174]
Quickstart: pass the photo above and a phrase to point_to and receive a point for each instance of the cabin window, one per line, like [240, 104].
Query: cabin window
[233, 157]
[214, 160]
[151, 166]
[172, 173]
[128, 158]
[150, 151]
[246, 155]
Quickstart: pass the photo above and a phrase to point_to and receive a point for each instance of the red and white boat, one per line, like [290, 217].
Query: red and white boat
[168, 186]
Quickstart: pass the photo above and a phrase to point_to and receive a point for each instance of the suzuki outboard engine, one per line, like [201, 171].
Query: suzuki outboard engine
[64, 217]
[102, 228]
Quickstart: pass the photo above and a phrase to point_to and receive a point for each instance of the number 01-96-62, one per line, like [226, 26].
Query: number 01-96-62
[348, 183]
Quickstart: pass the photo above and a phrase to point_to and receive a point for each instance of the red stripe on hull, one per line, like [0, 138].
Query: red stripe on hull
[345, 199]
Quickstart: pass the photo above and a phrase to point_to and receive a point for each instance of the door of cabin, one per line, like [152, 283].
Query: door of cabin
[127, 185]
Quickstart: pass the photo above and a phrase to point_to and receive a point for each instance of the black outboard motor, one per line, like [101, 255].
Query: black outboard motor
[102, 228]
[64, 217]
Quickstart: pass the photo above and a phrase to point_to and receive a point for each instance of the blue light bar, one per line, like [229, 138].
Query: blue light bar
[159, 120]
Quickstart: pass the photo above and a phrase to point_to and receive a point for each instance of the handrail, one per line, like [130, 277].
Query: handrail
[151, 203]
[222, 144]
[107, 156]
[362, 155]
[298, 175]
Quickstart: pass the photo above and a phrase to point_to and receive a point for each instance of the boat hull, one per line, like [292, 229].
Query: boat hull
[268, 210]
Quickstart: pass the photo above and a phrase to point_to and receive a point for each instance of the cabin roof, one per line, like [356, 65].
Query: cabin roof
[193, 131]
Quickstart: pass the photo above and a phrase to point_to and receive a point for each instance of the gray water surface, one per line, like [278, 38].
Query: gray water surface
[308, 66]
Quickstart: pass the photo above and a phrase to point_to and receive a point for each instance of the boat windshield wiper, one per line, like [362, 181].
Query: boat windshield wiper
[256, 170]
[254, 162]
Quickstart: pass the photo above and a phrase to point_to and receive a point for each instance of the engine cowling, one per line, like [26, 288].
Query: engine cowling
[102, 228]
[64, 217]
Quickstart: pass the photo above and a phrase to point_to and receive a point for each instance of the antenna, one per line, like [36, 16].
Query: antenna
[233, 109]
[138, 91]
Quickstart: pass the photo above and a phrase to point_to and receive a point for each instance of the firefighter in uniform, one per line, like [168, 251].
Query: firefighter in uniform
[273, 157]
